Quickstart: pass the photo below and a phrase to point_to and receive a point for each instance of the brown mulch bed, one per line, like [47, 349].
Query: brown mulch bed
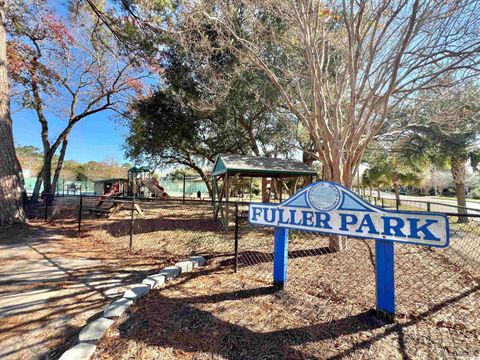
[325, 312]
[216, 314]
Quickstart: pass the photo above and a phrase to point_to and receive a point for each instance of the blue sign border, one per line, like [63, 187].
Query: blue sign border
[304, 192]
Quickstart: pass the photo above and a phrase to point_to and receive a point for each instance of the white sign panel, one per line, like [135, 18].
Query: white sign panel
[331, 208]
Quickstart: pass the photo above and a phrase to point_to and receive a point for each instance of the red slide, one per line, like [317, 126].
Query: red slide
[115, 190]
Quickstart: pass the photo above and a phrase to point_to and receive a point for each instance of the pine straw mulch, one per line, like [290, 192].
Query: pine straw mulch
[213, 313]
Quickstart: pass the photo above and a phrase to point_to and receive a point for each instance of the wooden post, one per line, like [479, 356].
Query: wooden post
[251, 187]
[227, 196]
[264, 190]
[280, 189]
[213, 193]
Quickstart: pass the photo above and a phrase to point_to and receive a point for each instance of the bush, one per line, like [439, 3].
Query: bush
[475, 193]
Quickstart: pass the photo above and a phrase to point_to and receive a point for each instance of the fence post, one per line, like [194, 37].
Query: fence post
[383, 205]
[428, 206]
[80, 214]
[132, 219]
[236, 237]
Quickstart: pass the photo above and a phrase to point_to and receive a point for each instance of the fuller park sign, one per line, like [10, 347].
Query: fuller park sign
[330, 208]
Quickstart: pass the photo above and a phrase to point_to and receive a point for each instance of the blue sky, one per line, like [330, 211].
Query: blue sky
[97, 138]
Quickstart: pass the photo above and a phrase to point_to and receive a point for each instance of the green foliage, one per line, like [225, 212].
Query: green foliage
[195, 115]
[165, 131]
[30, 151]
[31, 158]
[476, 193]
[442, 125]
[179, 173]
[387, 167]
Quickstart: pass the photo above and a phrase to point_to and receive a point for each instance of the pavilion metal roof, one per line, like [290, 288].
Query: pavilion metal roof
[260, 166]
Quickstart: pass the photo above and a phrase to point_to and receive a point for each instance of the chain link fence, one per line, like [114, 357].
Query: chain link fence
[437, 289]
[418, 205]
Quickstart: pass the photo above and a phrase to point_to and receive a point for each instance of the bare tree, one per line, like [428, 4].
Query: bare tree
[341, 65]
[71, 70]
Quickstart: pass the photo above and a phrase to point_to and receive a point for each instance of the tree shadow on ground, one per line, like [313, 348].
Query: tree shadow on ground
[180, 325]
[45, 295]
[251, 258]
[121, 228]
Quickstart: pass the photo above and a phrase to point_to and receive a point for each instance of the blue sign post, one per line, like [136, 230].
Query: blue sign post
[330, 208]
[280, 257]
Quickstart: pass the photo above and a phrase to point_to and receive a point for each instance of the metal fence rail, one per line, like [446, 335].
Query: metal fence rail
[418, 205]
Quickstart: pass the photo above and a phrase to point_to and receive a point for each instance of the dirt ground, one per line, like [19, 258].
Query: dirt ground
[214, 313]
[325, 312]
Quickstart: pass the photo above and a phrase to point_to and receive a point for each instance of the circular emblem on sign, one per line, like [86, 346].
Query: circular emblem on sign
[324, 196]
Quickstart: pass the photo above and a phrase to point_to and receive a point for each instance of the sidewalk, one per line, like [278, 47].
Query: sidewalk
[50, 287]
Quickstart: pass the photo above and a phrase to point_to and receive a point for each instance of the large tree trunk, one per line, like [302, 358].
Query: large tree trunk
[47, 175]
[396, 188]
[273, 188]
[36, 188]
[337, 243]
[457, 166]
[202, 174]
[59, 166]
[11, 179]
[308, 158]
[207, 182]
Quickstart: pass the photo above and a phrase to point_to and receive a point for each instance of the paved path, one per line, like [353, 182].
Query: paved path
[45, 297]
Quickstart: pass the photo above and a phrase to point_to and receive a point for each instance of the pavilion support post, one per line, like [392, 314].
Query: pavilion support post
[214, 189]
[280, 189]
[226, 186]
[251, 188]
[265, 197]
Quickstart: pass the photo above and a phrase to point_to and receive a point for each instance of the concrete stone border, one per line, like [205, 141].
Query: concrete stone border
[93, 331]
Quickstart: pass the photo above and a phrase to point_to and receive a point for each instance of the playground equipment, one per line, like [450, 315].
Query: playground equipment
[135, 175]
[114, 191]
[153, 185]
[141, 183]
[111, 187]
[109, 206]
